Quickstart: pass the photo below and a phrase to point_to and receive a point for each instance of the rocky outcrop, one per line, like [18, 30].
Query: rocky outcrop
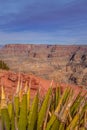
[10, 79]
[63, 63]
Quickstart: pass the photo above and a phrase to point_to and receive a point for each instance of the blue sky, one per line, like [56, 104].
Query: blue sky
[43, 21]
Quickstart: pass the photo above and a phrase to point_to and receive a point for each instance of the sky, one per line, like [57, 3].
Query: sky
[43, 21]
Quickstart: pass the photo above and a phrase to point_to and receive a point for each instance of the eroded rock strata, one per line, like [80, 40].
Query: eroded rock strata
[63, 63]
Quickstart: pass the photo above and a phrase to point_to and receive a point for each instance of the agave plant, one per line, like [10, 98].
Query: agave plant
[58, 111]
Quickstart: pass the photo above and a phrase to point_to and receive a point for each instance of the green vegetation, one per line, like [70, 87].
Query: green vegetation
[58, 111]
[3, 65]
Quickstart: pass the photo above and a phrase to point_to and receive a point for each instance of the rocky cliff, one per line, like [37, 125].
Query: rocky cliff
[63, 63]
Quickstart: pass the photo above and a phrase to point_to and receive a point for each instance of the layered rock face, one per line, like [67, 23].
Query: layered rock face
[78, 66]
[63, 63]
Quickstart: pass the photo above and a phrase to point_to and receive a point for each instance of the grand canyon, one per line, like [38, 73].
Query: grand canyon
[62, 63]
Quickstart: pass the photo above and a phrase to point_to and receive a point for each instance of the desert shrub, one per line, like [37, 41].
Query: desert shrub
[3, 65]
[58, 111]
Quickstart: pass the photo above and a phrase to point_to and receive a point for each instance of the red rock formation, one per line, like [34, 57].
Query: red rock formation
[10, 79]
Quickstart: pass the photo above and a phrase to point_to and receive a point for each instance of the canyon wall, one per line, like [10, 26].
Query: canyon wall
[63, 63]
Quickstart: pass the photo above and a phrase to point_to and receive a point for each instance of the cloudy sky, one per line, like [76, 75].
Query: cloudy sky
[43, 21]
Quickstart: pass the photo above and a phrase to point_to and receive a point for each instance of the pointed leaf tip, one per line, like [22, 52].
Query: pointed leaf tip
[18, 87]
[3, 93]
[26, 87]
[51, 84]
